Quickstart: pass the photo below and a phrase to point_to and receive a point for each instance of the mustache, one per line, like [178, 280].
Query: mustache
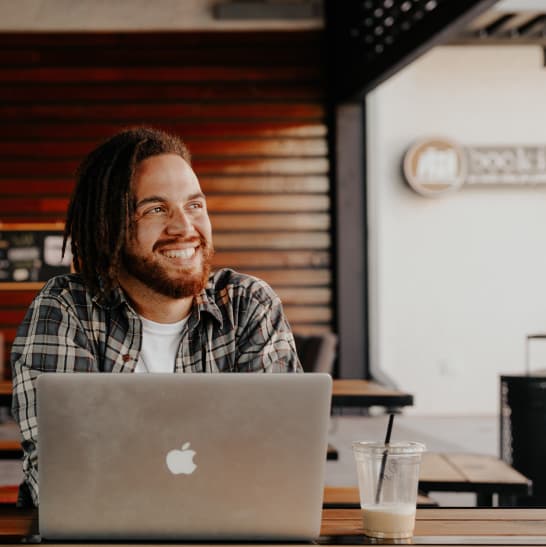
[180, 241]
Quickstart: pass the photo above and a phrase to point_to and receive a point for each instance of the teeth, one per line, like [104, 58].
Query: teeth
[180, 253]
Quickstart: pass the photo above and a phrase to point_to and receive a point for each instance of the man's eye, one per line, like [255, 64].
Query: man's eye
[195, 205]
[154, 210]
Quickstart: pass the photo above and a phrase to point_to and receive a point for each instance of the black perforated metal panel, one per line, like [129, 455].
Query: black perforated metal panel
[372, 39]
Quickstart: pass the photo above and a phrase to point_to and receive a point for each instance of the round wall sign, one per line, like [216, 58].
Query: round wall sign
[435, 166]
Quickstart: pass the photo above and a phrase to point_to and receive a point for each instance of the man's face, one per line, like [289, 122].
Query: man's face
[170, 248]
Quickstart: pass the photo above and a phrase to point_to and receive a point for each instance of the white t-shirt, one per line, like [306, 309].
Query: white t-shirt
[160, 343]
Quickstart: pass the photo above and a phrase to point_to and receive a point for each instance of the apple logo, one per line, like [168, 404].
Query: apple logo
[181, 461]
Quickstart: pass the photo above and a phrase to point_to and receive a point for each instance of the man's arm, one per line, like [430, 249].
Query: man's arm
[264, 340]
[50, 339]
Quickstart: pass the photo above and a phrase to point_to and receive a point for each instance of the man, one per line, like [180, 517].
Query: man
[142, 298]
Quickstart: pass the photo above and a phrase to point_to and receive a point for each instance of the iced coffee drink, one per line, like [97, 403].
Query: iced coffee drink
[388, 475]
[389, 520]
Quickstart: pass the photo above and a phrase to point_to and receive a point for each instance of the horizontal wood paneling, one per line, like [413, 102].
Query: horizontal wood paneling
[244, 166]
[11, 317]
[13, 186]
[243, 184]
[308, 314]
[311, 328]
[247, 203]
[320, 296]
[193, 73]
[273, 240]
[54, 129]
[272, 203]
[251, 108]
[31, 206]
[80, 46]
[294, 277]
[262, 222]
[120, 92]
[15, 299]
[168, 111]
[199, 148]
[272, 259]
[270, 221]
[232, 166]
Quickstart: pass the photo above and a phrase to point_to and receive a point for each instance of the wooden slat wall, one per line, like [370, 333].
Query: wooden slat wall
[250, 107]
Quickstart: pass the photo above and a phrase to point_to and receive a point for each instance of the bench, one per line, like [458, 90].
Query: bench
[454, 472]
[484, 475]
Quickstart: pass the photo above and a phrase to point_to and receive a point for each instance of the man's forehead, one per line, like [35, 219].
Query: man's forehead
[160, 163]
[166, 173]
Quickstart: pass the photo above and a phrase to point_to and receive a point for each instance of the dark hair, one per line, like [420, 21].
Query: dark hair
[101, 204]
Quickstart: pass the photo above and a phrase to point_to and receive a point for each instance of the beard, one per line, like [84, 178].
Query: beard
[188, 282]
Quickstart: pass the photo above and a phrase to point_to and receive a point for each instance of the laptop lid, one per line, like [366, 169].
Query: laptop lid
[174, 456]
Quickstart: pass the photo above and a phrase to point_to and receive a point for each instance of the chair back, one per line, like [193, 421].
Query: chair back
[317, 352]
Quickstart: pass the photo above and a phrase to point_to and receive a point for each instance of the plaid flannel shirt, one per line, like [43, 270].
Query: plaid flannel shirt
[235, 325]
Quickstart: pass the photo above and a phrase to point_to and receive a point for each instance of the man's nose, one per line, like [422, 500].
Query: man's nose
[179, 223]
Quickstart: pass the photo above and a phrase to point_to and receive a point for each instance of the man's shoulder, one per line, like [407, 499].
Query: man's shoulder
[237, 285]
[67, 288]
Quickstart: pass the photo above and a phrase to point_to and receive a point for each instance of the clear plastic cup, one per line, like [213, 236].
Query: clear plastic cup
[388, 478]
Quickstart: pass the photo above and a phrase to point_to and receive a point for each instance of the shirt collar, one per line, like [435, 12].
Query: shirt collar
[113, 300]
[203, 302]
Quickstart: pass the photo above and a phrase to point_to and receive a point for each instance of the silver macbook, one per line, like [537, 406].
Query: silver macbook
[193, 457]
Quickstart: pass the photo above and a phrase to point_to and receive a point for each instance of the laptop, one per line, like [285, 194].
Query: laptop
[182, 457]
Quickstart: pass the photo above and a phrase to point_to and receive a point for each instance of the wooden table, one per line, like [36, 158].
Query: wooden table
[366, 393]
[478, 473]
[434, 527]
[452, 472]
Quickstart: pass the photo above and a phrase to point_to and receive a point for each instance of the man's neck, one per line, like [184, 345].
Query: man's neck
[155, 306]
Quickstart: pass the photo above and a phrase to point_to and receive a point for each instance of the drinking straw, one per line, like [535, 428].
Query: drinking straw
[384, 458]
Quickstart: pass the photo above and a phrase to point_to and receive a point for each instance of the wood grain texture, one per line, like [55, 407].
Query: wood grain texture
[273, 240]
[266, 222]
[295, 278]
[504, 524]
[287, 147]
[120, 92]
[100, 130]
[187, 110]
[435, 467]
[106, 74]
[483, 468]
[228, 166]
[270, 203]
[18, 185]
[244, 260]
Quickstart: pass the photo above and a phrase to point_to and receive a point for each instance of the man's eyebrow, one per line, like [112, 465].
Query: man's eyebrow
[197, 195]
[161, 199]
[150, 199]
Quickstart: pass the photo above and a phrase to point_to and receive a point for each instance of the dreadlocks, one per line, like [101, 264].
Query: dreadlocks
[101, 205]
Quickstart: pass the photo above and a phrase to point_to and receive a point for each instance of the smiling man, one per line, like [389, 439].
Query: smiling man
[142, 298]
